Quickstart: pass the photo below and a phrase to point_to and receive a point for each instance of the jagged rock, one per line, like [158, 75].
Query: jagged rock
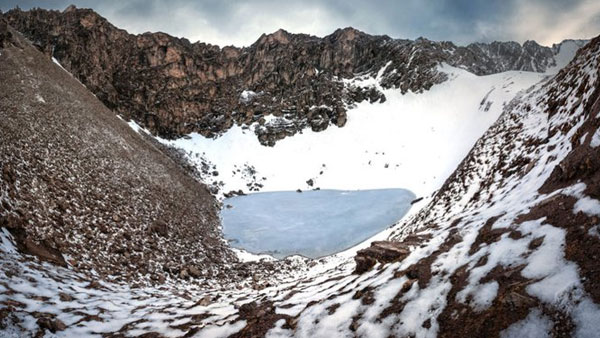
[5, 34]
[161, 228]
[43, 250]
[379, 252]
[174, 87]
[65, 297]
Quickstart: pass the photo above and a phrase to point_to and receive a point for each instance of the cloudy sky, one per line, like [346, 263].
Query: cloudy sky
[240, 23]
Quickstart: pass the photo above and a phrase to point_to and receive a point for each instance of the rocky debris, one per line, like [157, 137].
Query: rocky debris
[160, 227]
[379, 252]
[233, 193]
[174, 87]
[416, 200]
[77, 182]
[194, 272]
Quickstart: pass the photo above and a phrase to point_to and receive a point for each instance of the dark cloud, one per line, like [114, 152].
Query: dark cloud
[242, 22]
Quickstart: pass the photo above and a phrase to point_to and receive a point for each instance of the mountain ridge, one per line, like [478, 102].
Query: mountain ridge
[174, 87]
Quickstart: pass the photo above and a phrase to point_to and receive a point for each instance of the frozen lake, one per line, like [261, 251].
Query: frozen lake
[312, 223]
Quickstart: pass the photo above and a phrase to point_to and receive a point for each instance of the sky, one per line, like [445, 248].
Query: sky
[240, 23]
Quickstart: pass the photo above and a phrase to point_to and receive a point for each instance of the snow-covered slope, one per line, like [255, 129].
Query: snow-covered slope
[509, 245]
[411, 141]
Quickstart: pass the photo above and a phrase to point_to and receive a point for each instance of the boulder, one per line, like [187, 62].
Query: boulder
[194, 272]
[379, 252]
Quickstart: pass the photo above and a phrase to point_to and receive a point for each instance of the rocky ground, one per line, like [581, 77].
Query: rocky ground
[285, 82]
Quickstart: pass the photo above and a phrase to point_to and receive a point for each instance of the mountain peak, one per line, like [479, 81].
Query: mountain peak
[280, 36]
[347, 33]
[70, 8]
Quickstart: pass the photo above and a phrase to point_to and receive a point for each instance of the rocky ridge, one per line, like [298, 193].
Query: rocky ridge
[283, 83]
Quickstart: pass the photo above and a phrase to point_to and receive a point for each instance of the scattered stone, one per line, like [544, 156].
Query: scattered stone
[194, 272]
[53, 325]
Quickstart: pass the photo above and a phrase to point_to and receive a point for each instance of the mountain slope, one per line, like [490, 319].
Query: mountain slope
[76, 179]
[507, 247]
[174, 87]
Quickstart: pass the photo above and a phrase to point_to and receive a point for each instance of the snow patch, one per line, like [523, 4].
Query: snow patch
[535, 325]
[247, 96]
[595, 139]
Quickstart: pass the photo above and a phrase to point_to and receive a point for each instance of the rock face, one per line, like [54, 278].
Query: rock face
[283, 82]
[79, 187]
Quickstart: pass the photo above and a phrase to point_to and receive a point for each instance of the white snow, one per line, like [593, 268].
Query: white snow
[588, 205]
[247, 96]
[566, 51]
[595, 139]
[58, 63]
[411, 141]
[246, 256]
[39, 98]
[536, 325]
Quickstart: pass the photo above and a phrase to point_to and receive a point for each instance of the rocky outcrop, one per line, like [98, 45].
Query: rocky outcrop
[380, 252]
[282, 83]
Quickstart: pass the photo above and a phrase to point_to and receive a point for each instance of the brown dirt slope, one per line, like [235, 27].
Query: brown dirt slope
[77, 183]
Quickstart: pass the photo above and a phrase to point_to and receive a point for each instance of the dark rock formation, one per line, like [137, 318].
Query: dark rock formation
[5, 34]
[380, 252]
[174, 87]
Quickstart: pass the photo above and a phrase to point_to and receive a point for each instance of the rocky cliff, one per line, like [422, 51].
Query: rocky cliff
[175, 87]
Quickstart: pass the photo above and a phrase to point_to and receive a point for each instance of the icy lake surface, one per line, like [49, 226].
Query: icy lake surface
[312, 223]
